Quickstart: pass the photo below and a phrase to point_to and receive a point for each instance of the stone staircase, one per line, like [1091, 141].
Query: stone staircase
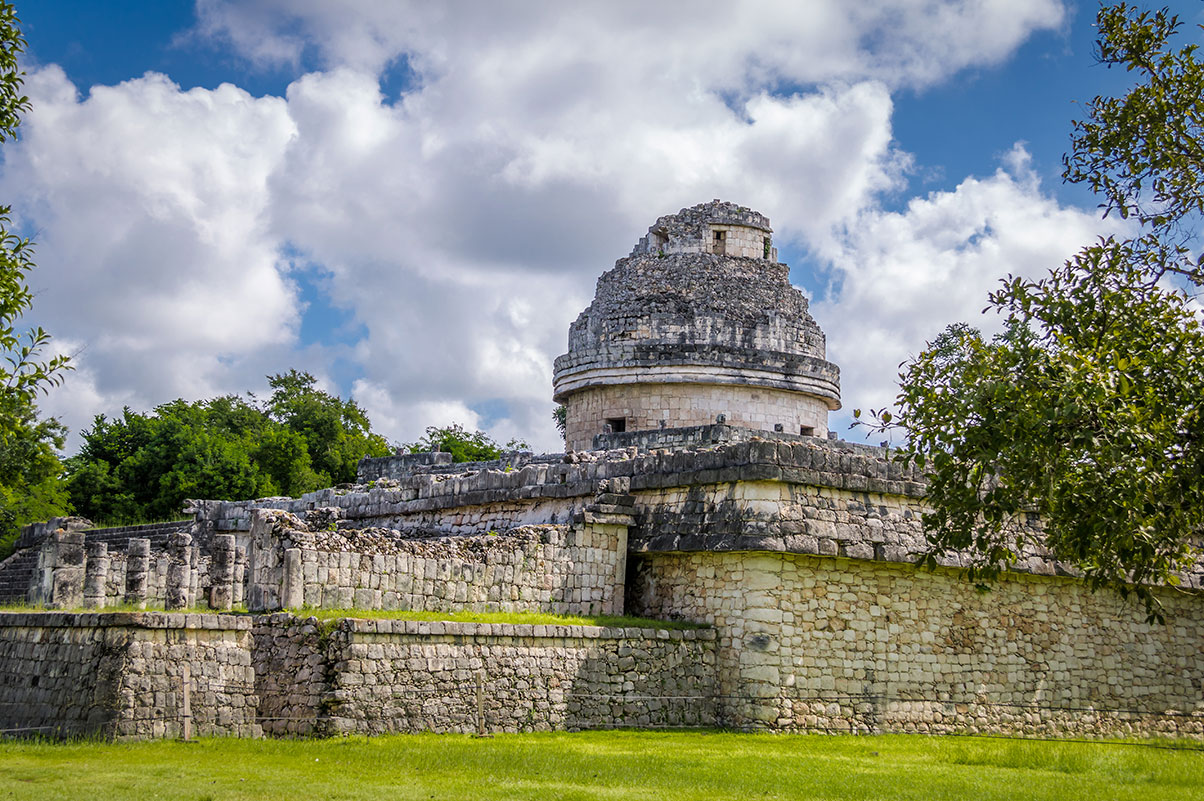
[16, 574]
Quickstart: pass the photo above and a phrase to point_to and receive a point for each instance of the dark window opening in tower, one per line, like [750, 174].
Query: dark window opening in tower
[719, 242]
[807, 431]
[617, 424]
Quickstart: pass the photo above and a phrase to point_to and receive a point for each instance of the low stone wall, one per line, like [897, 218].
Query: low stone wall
[576, 570]
[846, 645]
[121, 674]
[395, 675]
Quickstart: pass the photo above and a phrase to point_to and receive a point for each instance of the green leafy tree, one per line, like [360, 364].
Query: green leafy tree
[336, 432]
[560, 416]
[144, 466]
[463, 445]
[30, 488]
[1085, 413]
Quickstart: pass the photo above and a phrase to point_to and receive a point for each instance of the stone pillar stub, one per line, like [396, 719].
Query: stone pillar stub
[67, 572]
[240, 576]
[137, 570]
[221, 572]
[96, 575]
[292, 591]
[179, 571]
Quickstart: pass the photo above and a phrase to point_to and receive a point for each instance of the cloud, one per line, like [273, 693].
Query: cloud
[461, 224]
[534, 56]
[148, 207]
[901, 277]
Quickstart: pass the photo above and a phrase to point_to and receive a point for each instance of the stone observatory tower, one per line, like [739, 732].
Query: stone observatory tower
[700, 320]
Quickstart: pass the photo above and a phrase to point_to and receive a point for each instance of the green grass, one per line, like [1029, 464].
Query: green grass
[535, 618]
[601, 765]
[395, 614]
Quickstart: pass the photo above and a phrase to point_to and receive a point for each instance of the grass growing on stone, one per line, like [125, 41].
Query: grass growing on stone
[498, 617]
[395, 614]
[26, 607]
[601, 765]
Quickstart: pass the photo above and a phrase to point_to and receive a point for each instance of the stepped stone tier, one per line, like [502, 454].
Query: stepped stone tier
[700, 320]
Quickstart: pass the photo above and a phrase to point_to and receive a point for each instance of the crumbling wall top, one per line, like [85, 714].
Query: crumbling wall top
[716, 227]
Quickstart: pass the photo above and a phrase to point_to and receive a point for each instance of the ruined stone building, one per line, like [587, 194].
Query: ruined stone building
[699, 484]
[699, 321]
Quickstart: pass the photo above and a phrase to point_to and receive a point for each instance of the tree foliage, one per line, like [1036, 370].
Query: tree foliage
[30, 487]
[336, 432]
[560, 416]
[1084, 413]
[463, 445]
[144, 466]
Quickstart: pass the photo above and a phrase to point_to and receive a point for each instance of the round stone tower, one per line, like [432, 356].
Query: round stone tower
[700, 320]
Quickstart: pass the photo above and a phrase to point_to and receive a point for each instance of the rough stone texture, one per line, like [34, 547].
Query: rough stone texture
[692, 230]
[645, 406]
[136, 572]
[96, 574]
[292, 668]
[557, 569]
[121, 674]
[396, 676]
[222, 572]
[61, 570]
[682, 313]
[179, 572]
[845, 645]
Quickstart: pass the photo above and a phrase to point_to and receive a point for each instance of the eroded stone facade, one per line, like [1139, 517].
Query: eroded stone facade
[811, 643]
[646, 406]
[701, 302]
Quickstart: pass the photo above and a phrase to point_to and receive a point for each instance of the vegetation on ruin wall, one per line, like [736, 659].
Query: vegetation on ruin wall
[512, 618]
[30, 488]
[1086, 409]
[602, 765]
[528, 618]
[462, 444]
[143, 466]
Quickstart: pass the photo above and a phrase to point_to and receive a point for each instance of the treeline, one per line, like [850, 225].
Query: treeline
[143, 466]
[139, 467]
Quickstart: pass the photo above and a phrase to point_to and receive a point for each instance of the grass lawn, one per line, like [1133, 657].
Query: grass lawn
[600, 765]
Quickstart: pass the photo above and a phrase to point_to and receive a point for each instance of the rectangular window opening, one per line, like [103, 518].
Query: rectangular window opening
[617, 424]
[806, 431]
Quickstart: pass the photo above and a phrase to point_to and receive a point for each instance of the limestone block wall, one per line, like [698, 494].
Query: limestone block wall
[394, 676]
[576, 569]
[813, 643]
[292, 668]
[472, 502]
[645, 406]
[740, 240]
[121, 674]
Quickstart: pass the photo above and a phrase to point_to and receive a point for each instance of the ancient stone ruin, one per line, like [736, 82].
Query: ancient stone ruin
[699, 484]
[699, 321]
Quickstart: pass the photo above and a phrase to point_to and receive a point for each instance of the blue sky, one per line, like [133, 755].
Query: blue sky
[413, 201]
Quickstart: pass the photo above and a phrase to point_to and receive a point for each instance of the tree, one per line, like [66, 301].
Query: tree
[140, 467]
[560, 416]
[336, 432]
[1085, 413]
[29, 469]
[464, 446]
